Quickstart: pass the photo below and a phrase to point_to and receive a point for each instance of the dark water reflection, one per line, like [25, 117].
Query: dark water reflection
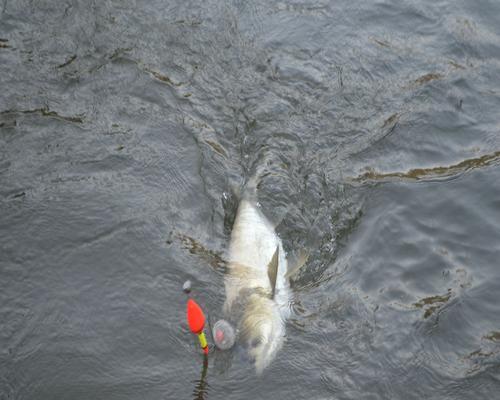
[124, 127]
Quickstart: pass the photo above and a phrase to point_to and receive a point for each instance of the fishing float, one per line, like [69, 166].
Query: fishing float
[196, 322]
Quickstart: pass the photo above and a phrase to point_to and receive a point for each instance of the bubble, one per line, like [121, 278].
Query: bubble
[223, 334]
[187, 286]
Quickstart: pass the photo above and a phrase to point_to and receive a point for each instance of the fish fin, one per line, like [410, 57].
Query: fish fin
[272, 270]
[299, 263]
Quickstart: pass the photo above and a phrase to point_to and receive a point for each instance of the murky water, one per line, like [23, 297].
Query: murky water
[124, 125]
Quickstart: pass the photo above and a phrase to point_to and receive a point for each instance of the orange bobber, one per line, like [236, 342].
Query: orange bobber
[195, 317]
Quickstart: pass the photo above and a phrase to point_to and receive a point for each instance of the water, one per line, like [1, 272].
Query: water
[124, 126]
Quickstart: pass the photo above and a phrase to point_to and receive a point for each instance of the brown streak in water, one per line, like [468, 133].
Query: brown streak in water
[66, 63]
[162, 78]
[22, 194]
[393, 119]
[211, 257]
[478, 353]
[493, 336]
[381, 43]
[45, 112]
[436, 302]
[427, 78]
[419, 174]
[217, 148]
[456, 65]
[391, 123]
[119, 52]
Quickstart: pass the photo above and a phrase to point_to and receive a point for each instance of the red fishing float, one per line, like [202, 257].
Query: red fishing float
[196, 322]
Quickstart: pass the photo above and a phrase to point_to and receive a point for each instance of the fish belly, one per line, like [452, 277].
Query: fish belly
[252, 246]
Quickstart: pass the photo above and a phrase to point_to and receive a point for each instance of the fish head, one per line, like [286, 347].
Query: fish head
[262, 331]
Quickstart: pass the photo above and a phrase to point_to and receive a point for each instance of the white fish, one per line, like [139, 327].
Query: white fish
[256, 283]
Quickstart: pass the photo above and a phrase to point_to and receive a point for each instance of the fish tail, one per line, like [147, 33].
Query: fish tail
[251, 186]
[250, 189]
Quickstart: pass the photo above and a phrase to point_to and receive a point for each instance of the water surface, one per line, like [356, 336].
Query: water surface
[124, 126]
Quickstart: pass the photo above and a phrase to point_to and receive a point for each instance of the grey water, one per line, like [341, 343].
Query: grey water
[125, 127]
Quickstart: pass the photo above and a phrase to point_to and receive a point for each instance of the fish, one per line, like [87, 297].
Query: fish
[256, 284]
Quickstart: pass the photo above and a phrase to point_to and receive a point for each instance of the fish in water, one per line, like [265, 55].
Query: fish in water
[256, 284]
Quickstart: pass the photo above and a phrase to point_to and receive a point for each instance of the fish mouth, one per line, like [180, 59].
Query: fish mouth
[262, 331]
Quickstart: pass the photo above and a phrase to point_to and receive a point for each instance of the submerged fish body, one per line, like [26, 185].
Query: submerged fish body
[259, 301]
